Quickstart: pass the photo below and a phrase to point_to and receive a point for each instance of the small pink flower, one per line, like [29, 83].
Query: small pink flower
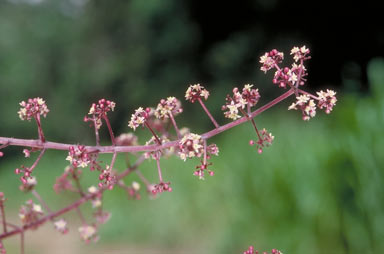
[27, 153]
[32, 108]
[61, 226]
[88, 233]
[195, 92]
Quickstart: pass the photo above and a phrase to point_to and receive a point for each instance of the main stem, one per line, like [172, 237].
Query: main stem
[145, 148]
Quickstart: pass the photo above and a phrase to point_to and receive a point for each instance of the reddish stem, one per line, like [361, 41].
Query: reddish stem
[37, 160]
[153, 133]
[208, 113]
[159, 169]
[309, 94]
[96, 131]
[110, 130]
[175, 125]
[40, 130]
[38, 197]
[3, 217]
[69, 207]
[146, 148]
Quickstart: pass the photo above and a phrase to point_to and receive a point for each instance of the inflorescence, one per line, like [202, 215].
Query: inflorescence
[164, 142]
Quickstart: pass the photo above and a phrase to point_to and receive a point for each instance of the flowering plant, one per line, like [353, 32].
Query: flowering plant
[164, 142]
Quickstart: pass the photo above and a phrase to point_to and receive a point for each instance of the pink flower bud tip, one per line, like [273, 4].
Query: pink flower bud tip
[1, 154]
[211, 173]
[251, 142]
[260, 151]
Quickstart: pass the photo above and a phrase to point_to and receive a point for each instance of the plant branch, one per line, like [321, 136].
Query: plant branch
[142, 148]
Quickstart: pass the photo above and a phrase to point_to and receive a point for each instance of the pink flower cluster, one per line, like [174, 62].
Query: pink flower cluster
[139, 117]
[78, 156]
[107, 178]
[30, 212]
[196, 92]
[99, 110]
[161, 187]
[170, 106]
[265, 139]
[237, 102]
[33, 108]
[271, 59]
[326, 100]
[191, 145]
[284, 77]
[251, 250]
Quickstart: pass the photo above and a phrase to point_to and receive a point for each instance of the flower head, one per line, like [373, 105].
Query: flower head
[191, 145]
[30, 212]
[32, 108]
[78, 156]
[88, 233]
[270, 59]
[238, 101]
[307, 106]
[61, 226]
[169, 106]
[300, 53]
[195, 92]
[327, 100]
[139, 117]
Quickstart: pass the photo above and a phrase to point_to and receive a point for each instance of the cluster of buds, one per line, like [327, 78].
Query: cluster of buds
[251, 250]
[191, 145]
[212, 149]
[33, 109]
[196, 92]
[161, 187]
[237, 102]
[107, 178]
[78, 156]
[306, 105]
[265, 140]
[139, 117]
[88, 233]
[61, 226]
[30, 212]
[28, 181]
[168, 108]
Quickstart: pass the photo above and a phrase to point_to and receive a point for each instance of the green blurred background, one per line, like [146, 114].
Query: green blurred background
[318, 189]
